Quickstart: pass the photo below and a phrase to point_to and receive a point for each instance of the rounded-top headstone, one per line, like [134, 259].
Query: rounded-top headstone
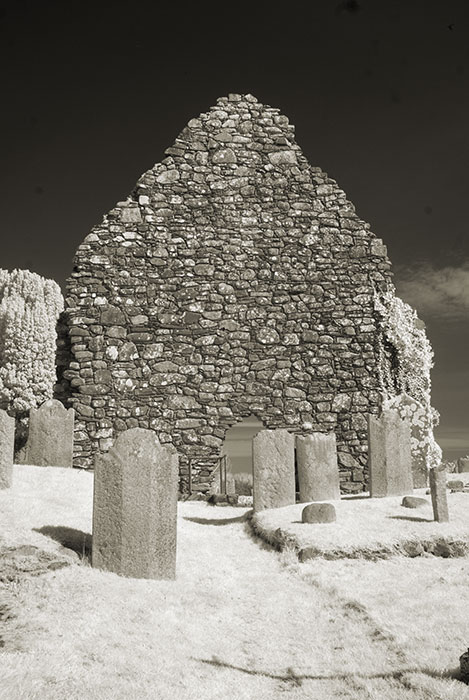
[318, 513]
[413, 502]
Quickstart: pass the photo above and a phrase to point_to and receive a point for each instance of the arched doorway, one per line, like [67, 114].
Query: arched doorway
[238, 449]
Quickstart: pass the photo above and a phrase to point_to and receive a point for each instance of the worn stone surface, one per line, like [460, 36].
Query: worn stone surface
[318, 513]
[464, 666]
[417, 416]
[413, 502]
[7, 444]
[390, 461]
[273, 459]
[135, 507]
[438, 493]
[51, 433]
[318, 471]
[235, 280]
[463, 464]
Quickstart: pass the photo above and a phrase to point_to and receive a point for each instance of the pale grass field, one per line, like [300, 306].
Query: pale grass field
[240, 620]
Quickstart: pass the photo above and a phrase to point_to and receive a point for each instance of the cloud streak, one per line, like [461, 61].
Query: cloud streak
[436, 293]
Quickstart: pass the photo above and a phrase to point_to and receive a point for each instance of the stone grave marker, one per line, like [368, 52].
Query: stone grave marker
[463, 465]
[438, 492]
[135, 507]
[413, 502]
[418, 418]
[318, 513]
[389, 455]
[7, 442]
[273, 459]
[50, 437]
[318, 471]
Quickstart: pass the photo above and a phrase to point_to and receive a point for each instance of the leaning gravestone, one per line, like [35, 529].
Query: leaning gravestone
[438, 492]
[7, 442]
[389, 455]
[463, 464]
[135, 507]
[318, 471]
[50, 437]
[273, 462]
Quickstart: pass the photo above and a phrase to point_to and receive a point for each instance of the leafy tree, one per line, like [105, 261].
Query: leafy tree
[29, 308]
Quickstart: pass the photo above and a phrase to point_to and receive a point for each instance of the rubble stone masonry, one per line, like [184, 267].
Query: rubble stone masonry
[236, 279]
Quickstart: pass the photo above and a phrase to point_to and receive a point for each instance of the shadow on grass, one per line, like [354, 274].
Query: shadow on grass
[413, 518]
[290, 676]
[218, 521]
[359, 497]
[76, 540]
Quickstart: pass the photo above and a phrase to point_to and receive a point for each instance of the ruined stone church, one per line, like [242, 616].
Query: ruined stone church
[235, 280]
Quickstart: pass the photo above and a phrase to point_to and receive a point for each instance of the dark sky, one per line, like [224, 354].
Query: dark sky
[93, 93]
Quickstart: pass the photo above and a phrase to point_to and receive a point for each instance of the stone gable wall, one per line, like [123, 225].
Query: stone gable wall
[235, 280]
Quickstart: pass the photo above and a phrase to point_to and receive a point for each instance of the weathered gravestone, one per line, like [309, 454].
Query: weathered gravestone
[7, 442]
[50, 437]
[438, 492]
[318, 513]
[389, 455]
[273, 461]
[318, 471]
[413, 502]
[135, 507]
[420, 428]
[463, 465]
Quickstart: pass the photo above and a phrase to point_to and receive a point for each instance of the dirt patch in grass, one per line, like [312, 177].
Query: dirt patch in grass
[370, 528]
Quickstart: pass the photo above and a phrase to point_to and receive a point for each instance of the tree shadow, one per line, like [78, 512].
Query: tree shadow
[412, 518]
[76, 540]
[290, 676]
[218, 521]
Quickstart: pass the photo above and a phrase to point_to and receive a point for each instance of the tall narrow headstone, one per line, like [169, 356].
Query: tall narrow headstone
[389, 455]
[273, 460]
[318, 471]
[438, 492]
[418, 417]
[7, 443]
[50, 438]
[135, 507]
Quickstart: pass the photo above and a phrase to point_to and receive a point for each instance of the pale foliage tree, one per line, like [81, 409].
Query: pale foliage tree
[29, 309]
[405, 332]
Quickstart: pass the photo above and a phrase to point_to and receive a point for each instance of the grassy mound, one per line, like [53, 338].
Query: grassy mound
[369, 528]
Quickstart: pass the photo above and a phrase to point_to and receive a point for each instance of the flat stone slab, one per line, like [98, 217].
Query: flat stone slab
[414, 502]
[318, 513]
[273, 458]
[389, 459]
[28, 560]
[50, 438]
[438, 493]
[318, 471]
